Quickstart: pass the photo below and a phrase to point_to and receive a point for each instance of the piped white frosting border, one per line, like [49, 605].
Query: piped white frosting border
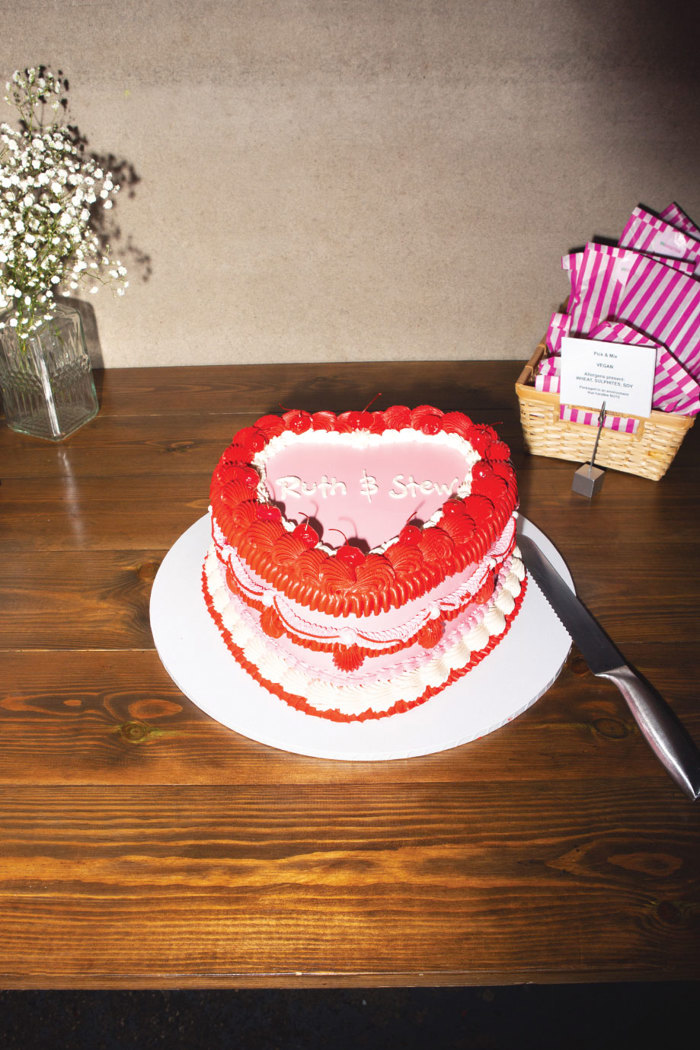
[354, 699]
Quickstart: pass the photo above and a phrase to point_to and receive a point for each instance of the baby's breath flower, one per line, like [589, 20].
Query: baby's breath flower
[47, 189]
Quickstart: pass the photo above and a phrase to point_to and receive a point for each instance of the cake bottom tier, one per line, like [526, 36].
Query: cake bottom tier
[414, 676]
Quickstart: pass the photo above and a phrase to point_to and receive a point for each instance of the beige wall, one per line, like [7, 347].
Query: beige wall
[358, 179]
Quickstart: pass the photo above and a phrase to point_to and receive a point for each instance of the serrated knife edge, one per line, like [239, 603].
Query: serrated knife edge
[662, 730]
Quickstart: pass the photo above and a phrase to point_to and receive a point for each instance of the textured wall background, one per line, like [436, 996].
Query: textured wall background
[365, 179]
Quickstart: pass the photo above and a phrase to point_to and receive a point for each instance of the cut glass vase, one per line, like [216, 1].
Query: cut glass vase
[46, 378]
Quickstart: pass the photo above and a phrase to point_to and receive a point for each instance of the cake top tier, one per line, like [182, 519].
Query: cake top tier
[362, 511]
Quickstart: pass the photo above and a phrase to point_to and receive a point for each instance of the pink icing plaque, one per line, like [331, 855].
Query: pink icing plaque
[363, 494]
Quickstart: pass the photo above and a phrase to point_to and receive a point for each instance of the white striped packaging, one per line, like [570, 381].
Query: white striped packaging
[548, 384]
[678, 218]
[675, 390]
[599, 278]
[664, 304]
[589, 417]
[646, 232]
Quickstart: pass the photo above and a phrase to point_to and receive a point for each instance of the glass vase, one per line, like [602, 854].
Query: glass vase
[46, 378]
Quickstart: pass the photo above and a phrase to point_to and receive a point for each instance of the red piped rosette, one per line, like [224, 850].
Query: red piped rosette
[340, 583]
[334, 715]
[274, 624]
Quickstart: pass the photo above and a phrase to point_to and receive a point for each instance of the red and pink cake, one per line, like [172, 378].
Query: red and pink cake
[360, 563]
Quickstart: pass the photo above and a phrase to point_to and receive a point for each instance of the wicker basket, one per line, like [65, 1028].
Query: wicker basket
[648, 453]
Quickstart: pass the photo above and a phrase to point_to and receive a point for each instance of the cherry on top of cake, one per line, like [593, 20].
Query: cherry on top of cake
[394, 491]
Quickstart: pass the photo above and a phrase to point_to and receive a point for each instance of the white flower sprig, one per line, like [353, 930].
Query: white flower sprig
[50, 194]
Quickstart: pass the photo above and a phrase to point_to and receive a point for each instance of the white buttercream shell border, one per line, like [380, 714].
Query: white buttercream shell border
[378, 696]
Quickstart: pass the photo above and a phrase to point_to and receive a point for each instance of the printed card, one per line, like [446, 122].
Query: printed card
[621, 375]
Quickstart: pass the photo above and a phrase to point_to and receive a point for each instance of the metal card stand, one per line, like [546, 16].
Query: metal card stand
[588, 479]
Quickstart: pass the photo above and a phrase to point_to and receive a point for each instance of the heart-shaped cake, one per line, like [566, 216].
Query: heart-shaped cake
[362, 562]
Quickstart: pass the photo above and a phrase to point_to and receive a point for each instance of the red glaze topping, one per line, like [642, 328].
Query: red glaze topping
[481, 436]
[498, 450]
[410, 536]
[307, 534]
[296, 421]
[268, 512]
[346, 580]
[352, 556]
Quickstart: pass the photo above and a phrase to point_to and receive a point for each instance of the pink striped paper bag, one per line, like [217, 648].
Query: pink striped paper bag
[559, 326]
[589, 417]
[548, 375]
[664, 304]
[548, 384]
[675, 390]
[549, 366]
[599, 277]
[678, 218]
[646, 232]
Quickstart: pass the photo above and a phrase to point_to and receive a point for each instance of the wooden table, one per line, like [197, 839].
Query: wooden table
[144, 845]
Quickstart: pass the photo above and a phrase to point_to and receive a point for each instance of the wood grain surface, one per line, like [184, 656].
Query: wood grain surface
[144, 845]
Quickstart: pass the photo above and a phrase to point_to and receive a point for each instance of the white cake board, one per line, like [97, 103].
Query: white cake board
[506, 682]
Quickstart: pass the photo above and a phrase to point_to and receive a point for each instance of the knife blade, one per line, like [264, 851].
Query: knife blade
[665, 734]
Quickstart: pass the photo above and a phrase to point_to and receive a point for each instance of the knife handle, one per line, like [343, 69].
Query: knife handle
[666, 736]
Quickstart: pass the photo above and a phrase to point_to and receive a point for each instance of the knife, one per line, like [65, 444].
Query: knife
[659, 725]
